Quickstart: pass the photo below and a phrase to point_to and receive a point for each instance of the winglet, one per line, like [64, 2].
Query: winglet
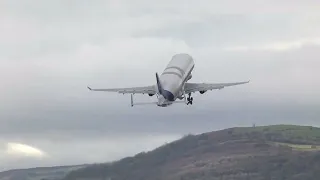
[131, 100]
[89, 88]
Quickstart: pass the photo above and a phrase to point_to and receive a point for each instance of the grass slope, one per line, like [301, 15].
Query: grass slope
[242, 153]
[39, 173]
[291, 134]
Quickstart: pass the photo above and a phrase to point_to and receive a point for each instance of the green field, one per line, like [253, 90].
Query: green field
[300, 147]
[297, 137]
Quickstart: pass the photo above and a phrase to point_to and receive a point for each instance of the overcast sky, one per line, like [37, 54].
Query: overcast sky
[51, 50]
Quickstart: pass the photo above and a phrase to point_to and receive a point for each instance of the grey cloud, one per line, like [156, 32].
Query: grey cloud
[98, 149]
[50, 52]
[221, 31]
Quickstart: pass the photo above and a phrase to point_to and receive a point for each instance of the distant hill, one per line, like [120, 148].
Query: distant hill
[41, 173]
[279, 152]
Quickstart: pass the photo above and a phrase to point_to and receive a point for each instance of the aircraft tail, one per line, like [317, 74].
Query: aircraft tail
[159, 84]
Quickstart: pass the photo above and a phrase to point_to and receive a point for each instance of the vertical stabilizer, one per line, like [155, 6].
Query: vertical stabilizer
[159, 84]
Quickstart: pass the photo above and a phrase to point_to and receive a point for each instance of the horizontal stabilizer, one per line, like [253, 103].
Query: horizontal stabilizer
[143, 103]
[134, 90]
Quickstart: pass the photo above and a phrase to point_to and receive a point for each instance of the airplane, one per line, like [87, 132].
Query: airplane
[172, 84]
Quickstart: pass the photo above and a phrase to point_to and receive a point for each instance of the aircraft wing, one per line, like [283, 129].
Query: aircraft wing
[194, 87]
[133, 90]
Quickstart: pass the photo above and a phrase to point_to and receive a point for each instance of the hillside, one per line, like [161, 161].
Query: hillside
[49, 173]
[255, 153]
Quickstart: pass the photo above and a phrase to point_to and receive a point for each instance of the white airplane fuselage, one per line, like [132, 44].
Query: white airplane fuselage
[172, 84]
[173, 78]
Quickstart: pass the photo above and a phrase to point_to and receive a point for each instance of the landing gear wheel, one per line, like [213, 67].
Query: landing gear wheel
[189, 99]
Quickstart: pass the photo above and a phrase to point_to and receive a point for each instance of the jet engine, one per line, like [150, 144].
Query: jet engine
[180, 97]
[190, 76]
[202, 92]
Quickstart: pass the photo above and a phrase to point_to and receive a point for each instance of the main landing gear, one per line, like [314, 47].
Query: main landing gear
[189, 99]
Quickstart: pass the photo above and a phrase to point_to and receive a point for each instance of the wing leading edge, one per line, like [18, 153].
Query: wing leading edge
[194, 87]
[133, 90]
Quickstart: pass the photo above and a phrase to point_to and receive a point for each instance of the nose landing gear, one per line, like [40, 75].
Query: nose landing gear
[189, 99]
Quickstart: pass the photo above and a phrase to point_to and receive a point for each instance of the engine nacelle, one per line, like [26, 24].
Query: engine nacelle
[180, 97]
[151, 94]
[202, 92]
[190, 77]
